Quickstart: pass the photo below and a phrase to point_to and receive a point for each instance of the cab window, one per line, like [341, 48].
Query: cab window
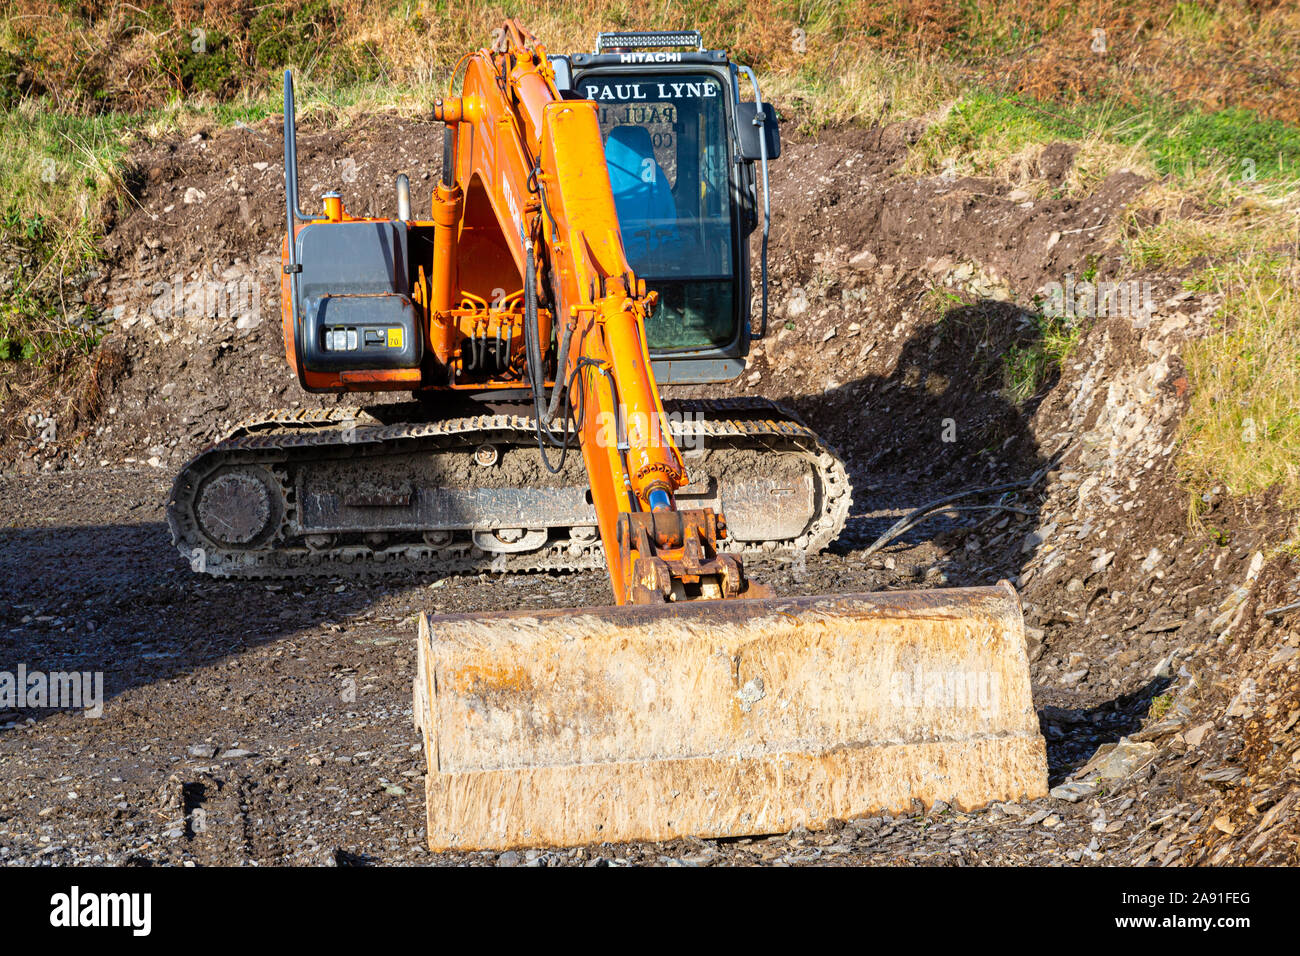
[666, 148]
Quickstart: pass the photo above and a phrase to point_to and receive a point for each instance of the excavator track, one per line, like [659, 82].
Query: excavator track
[369, 491]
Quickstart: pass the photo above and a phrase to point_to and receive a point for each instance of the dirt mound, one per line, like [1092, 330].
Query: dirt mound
[1166, 692]
[912, 288]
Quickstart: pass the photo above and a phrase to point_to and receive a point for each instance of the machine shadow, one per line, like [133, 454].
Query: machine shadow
[137, 614]
[1074, 734]
[944, 421]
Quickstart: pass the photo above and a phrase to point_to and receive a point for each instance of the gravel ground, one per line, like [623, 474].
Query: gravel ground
[265, 724]
[272, 724]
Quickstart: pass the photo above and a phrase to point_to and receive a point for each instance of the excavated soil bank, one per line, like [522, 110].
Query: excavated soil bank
[248, 722]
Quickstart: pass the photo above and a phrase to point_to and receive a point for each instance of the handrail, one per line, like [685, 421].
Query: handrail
[760, 120]
[292, 268]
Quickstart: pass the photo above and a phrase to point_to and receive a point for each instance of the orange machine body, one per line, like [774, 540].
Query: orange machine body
[529, 184]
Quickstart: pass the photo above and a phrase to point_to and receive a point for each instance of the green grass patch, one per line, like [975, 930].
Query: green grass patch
[1242, 430]
[59, 172]
[1244, 146]
[33, 329]
[1028, 367]
[986, 128]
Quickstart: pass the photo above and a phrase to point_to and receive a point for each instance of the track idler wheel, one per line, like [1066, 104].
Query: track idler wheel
[239, 507]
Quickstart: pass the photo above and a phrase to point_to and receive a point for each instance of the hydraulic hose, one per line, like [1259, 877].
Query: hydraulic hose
[561, 363]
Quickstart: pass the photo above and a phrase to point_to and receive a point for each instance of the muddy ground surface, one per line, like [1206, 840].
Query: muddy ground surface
[271, 723]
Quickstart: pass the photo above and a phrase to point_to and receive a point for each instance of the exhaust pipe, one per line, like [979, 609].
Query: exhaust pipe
[293, 215]
[403, 197]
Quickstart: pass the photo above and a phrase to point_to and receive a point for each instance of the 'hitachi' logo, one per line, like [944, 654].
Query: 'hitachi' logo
[649, 58]
[74, 909]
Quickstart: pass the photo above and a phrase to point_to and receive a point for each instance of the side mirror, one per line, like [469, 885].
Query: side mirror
[748, 145]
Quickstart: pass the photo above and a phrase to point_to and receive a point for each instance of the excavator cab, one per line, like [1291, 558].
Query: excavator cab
[685, 155]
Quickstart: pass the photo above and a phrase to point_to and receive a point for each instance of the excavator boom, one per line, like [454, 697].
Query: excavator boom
[540, 162]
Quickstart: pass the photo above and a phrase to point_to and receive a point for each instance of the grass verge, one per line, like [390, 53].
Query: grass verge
[1243, 427]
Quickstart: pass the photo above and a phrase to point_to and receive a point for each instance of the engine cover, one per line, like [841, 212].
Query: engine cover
[354, 302]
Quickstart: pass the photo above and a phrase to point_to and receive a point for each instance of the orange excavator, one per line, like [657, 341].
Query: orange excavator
[589, 240]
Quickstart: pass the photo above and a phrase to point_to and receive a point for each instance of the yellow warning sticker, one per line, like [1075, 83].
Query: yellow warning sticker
[395, 338]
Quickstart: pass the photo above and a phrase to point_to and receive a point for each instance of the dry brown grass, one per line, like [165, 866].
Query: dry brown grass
[1232, 53]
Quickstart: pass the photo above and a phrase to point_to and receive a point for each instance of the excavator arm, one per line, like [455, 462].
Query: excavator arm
[539, 160]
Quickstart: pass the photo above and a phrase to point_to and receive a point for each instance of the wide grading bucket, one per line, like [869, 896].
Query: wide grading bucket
[553, 728]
